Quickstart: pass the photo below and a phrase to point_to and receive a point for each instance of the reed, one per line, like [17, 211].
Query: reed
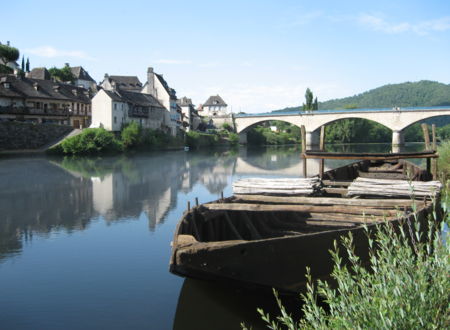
[406, 285]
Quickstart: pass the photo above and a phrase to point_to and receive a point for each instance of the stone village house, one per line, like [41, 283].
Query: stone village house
[191, 119]
[161, 105]
[216, 111]
[43, 101]
[115, 107]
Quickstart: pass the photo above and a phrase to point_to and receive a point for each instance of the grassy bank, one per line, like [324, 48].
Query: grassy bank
[198, 140]
[94, 141]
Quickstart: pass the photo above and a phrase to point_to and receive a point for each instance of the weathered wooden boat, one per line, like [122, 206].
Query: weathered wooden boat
[263, 240]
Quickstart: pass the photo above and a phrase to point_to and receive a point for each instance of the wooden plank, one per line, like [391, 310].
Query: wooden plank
[298, 208]
[326, 201]
[341, 191]
[336, 183]
[356, 156]
[370, 156]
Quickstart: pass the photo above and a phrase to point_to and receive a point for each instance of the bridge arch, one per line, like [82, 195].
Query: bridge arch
[250, 122]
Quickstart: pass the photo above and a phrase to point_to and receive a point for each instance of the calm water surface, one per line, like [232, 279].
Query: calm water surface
[85, 242]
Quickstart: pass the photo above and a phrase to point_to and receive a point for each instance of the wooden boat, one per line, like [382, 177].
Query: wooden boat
[269, 241]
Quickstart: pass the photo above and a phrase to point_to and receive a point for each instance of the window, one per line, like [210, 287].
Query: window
[115, 120]
[115, 106]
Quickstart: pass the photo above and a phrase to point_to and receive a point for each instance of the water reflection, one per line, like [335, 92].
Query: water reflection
[212, 305]
[35, 199]
[38, 196]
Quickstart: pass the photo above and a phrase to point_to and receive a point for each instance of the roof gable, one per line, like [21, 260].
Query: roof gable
[215, 100]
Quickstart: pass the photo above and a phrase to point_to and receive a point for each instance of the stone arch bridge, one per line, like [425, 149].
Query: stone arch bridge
[396, 119]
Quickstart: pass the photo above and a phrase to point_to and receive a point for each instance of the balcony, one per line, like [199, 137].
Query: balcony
[34, 111]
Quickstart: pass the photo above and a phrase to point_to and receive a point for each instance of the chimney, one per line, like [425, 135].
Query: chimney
[113, 85]
[150, 82]
[36, 86]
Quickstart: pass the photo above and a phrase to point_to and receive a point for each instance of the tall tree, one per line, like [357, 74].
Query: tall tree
[8, 54]
[23, 64]
[311, 103]
[27, 65]
[63, 74]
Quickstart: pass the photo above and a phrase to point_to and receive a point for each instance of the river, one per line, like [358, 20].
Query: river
[85, 242]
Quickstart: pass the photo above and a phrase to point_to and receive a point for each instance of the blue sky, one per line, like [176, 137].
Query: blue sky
[258, 55]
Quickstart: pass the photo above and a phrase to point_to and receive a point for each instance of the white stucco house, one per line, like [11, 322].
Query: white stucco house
[215, 106]
[82, 78]
[159, 88]
[112, 109]
[191, 119]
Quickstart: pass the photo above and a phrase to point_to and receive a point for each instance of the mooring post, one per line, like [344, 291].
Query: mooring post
[196, 201]
[303, 137]
[426, 136]
[189, 205]
[322, 148]
[434, 147]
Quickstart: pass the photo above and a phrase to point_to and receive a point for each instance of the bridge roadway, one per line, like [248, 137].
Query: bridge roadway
[396, 119]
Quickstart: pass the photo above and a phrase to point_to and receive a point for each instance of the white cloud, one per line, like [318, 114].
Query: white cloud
[378, 23]
[49, 51]
[172, 61]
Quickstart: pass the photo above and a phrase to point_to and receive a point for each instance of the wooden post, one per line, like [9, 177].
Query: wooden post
[189, 205]
[434, 147]
[196, 201]
[426, 136]
[322, 148]
[303, 133]
[303, 137]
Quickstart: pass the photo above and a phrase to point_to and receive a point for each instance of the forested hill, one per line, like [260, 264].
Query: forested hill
[408, 94]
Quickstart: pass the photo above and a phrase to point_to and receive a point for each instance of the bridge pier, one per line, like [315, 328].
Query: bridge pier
[243, 138]
[312, 140]
[398, 141]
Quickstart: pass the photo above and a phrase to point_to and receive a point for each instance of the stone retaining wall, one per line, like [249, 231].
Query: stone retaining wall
[17, 135]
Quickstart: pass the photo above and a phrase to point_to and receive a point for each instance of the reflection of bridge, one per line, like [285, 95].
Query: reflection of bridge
[243, 167]
[396, 119]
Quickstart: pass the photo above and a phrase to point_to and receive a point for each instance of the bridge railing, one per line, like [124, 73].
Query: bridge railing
[326, 111]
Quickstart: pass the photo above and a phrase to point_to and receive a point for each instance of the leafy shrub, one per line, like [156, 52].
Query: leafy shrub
[91, 141]
[227, 127]
[131, 135]
[233, 138]
[197, 140]
[406, 287]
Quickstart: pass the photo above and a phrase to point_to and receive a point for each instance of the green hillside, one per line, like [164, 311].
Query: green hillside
[408, 94]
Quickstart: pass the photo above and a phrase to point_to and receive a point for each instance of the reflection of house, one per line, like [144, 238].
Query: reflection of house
[43, 101]
[114, 108]
[158, 87]
[157, 209]
[191, 119]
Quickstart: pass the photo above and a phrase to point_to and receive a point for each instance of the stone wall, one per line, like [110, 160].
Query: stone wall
[218, 121]
[17, 135]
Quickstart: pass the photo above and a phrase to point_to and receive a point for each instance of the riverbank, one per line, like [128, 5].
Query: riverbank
[97, 141]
